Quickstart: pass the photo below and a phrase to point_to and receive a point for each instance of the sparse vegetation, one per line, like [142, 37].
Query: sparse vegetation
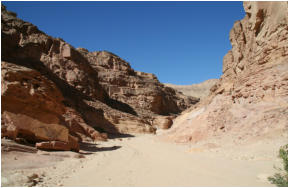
[281, 179]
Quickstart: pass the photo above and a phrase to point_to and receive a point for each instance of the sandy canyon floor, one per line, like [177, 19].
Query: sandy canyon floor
[145, 160]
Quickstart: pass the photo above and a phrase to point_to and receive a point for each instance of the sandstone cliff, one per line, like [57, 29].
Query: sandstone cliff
[251, 98]
[142, 91]
[55, 95]
[201, 90]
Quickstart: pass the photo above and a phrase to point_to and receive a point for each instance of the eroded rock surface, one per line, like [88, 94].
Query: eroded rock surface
[32, 108]
[251, 98]
[163, 122]
[54, 95]
[141, 91]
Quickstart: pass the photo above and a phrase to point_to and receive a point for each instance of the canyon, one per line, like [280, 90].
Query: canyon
[67, 95]
[250, 99]
[123, 126]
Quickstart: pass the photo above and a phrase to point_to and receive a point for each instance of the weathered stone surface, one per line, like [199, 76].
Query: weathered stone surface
[53, 93]
[53, 145]
[24, 44]
[45, 79]
[58, 145]
[116, 121]
[251, 98]
[33, 129]
[32, 108]
[163, 122]
[143, 93]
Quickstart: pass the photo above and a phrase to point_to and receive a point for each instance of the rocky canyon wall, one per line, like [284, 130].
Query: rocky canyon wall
[251, 98]
[56, 96]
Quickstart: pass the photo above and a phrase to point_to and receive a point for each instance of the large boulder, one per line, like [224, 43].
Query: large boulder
[59, 145]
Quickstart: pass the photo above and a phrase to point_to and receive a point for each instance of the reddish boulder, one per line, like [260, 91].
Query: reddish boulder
[53, 145]
[72, 144]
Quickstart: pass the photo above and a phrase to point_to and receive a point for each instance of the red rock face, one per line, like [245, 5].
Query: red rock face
[55, 95]
[32, 108]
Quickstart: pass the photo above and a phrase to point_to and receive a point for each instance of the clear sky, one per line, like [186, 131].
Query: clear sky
[180, 42]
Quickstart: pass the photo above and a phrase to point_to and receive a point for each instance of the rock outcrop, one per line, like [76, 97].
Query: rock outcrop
[251, 98]
[201, 90]
[54, 95]
[163, 122]
[32, 108]
[141, 91]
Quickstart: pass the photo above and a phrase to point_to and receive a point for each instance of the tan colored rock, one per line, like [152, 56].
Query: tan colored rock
[251, 98]
[141, 91]
[162, 122]
[48, 55]
[138, 93]
[9, 130]
[201, 90]
[66, 51]
[36, 130]
[31, 104]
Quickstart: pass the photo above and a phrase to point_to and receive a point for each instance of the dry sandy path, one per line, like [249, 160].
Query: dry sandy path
[144, 161]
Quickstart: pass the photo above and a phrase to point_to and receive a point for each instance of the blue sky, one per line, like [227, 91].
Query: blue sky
[180, 42]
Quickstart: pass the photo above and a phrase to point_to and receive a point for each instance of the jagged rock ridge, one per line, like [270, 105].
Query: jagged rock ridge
[56, 96]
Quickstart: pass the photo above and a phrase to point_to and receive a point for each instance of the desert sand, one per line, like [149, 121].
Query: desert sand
[145, 160]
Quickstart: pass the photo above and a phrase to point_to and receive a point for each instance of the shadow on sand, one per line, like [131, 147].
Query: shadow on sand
[114, 136]
[89, 148]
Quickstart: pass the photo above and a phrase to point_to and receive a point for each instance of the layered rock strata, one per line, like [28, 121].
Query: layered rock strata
[141, 91]
[54, 95]
[251, 98]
